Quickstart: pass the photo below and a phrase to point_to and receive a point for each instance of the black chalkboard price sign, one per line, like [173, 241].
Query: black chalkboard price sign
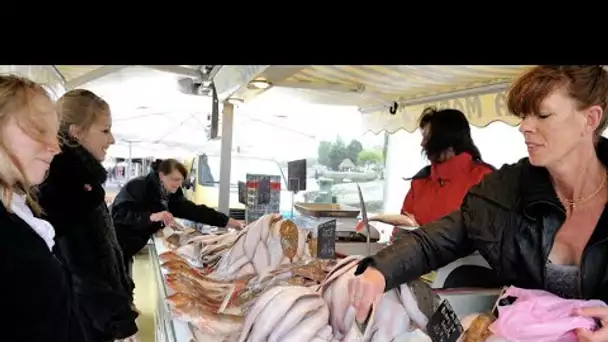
[326, 240]
[444, 325]
[296, 175]
[242, 193]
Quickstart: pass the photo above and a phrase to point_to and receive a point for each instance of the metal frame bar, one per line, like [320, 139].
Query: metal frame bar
[93, 75]
[57, 73]
[230, 79]
[178, 70]
[214, 71]
[226, 158]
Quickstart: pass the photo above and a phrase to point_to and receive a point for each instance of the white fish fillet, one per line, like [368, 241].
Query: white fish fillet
[308, 327]
[302, 307]
[275, 311]
[392, 319]
[253, 314]
[411, 306]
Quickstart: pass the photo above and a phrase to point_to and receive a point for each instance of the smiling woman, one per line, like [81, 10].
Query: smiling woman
[74, 200]
[92, 131]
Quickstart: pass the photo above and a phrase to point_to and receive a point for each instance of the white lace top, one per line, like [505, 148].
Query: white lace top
[43, 228]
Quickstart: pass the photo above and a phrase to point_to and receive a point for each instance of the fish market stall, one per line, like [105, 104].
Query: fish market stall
[265, 283]
[268, 282]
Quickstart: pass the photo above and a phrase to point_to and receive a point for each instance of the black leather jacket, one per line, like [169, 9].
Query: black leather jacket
[511, 218]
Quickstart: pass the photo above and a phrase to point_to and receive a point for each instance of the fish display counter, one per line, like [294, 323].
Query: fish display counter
[264, 283]
[168, 329]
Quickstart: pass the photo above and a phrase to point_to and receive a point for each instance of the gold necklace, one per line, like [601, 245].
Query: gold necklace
[574, 203]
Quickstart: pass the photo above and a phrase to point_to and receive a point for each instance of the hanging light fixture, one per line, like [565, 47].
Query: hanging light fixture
[235, 101]
[260, 84]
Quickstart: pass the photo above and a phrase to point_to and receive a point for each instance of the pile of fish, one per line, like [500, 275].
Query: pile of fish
[263, 246]
[324, 314]
[287, 313]
[262, 284]
[215, 278]
[204, 251]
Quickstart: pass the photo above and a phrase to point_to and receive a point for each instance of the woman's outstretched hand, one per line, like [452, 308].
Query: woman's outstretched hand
[163, 216]
[235, 224]
[395, 220]
[600, 335]
[364, 290]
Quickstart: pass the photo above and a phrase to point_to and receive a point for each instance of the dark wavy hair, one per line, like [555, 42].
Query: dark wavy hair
[167, 166]
[447, 128]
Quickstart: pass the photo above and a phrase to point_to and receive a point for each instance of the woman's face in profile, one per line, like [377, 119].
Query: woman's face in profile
[99, 137]
[171, 182]
[558, 129]
[34, 142]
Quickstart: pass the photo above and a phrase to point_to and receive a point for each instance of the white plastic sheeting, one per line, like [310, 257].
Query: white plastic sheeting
[39, 73]
[153, 118]
[149, 112]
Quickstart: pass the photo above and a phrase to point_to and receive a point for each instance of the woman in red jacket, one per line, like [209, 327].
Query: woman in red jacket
[456, 165]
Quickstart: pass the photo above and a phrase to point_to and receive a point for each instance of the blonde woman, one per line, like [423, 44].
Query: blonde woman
[35, 290]
[74, 201]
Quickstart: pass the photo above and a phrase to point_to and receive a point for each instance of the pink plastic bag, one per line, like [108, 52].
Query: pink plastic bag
[539, 316]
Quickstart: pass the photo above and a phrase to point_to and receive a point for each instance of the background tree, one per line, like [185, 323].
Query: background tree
[323, 153]
[354, 148]
[370, 157]
[331, 154]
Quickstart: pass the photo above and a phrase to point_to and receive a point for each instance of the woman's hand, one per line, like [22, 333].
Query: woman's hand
[235, 224]
[406, 220]
[412, 220]
[365, 290]
[601, 335]
[164, 217]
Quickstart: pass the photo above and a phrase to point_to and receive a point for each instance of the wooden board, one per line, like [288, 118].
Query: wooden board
[326, 210]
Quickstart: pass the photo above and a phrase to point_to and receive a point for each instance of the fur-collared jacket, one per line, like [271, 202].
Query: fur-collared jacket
[73, 199]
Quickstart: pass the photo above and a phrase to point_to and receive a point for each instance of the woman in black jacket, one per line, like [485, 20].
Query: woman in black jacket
[146, 204]
[35, 291]
[74, 200]
[541, 223]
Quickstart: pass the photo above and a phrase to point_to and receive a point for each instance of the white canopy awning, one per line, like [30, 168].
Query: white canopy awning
[479, 90]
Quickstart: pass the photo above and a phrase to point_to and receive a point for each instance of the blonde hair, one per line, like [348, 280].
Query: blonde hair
[17, 101]
[81, 108]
